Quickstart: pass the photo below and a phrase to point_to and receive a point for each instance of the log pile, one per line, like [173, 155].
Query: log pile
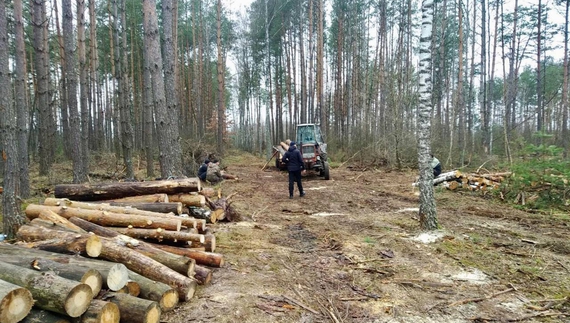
[455, 180]
[99, 253]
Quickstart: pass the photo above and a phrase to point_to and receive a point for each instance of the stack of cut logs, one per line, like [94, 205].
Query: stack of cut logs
[475, 182]
[108, 253]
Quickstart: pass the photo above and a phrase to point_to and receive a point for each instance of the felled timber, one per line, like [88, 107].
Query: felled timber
[115, 275]
[203, 275]
[222, 209]
[135, 310]
[50, 225]
[188, 199]
[209, 243]
[166, 296]
[113, 190]
[50, 291]
[100, 207]
[38, 315]
[57, 219]
[160, 234]
[179, 263]
[149, 198]
[202, 257]
[170, 207]
[105, 218]
[100, 311]
[148, 267]
[64, 242]
[15, 302]
[77, 273]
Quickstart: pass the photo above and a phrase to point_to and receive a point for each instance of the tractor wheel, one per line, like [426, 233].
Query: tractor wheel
[326, 171]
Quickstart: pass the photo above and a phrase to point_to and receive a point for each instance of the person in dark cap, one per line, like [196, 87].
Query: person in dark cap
[295, 166]
[202, 171]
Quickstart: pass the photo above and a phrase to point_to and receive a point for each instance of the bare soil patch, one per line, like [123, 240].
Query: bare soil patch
[351, 251]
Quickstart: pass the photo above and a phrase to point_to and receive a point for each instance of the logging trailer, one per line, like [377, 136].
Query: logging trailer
[310, 142]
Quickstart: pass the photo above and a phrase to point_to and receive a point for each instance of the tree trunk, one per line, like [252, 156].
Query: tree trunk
[202, 257]
[100, 207]
[203, 275]
[115, 276]
[180, 264]
[166, 116]
[188, 199]
[209, 243]
[148, 267]
[57, 219]
[65, 242]
[15, 302]
[135, 310]
[105, 218]
[150, 198]
[166, 296]
[108, 191]
[427, 214]
[82, 274]
[100, 311]
[160, 234]
[42, 316]
[174, 207]
[50, 291]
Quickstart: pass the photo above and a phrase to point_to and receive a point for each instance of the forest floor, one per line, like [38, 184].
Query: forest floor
[351, 251]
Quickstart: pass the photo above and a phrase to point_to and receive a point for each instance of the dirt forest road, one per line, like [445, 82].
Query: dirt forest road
[352, 251]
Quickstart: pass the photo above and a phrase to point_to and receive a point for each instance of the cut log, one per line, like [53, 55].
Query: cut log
[208, 192]
[108, 218]
[148, 267]
[133, 288]
[115, 276]
[149, 198]
[15, 302]
[171, 207]
[50, 291]
[50, 225]
[209, 243]
[179, 263]
[100, 207]
[166, 296]
[100, 312]
[59, 220]
[223, 208]
[160, 235]
[202, 257]
[77, 273]
[188, 199]
[107, 191]
[135, 310]
[38, 315]
[66, 242]
[444, 177]
[203, 275]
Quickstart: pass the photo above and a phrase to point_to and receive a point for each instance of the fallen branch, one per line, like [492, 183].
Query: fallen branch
[480, 299]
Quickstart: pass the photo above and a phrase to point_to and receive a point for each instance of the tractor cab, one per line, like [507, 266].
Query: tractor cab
[313, 148]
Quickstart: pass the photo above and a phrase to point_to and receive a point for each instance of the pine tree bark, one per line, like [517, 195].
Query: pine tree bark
[50, 291]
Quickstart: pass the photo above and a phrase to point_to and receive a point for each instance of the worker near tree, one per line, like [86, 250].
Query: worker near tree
[295, 165]
[203, 170]
[436, 165]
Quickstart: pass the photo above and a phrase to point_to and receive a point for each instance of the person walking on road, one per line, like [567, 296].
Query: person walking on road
[295, 166]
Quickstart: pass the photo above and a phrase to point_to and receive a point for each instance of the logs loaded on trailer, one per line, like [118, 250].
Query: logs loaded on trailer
[110, 252]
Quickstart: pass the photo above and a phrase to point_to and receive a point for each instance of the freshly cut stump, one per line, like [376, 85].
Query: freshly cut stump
[15, 302]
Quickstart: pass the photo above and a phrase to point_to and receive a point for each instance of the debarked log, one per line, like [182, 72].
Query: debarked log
[105, 218]
[113, 190]
[50, 291]
[15, 302]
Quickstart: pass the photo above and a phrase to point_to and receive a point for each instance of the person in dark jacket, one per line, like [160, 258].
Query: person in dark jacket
[202, 171]
[295, 165]
[436, 165]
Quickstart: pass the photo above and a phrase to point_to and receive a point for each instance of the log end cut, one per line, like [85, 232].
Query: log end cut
[15, 305]
[94, 246]
[118, 277]
[109, 313]
[153, 313]
[78, 300]
[94, 279]
[169, 300]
